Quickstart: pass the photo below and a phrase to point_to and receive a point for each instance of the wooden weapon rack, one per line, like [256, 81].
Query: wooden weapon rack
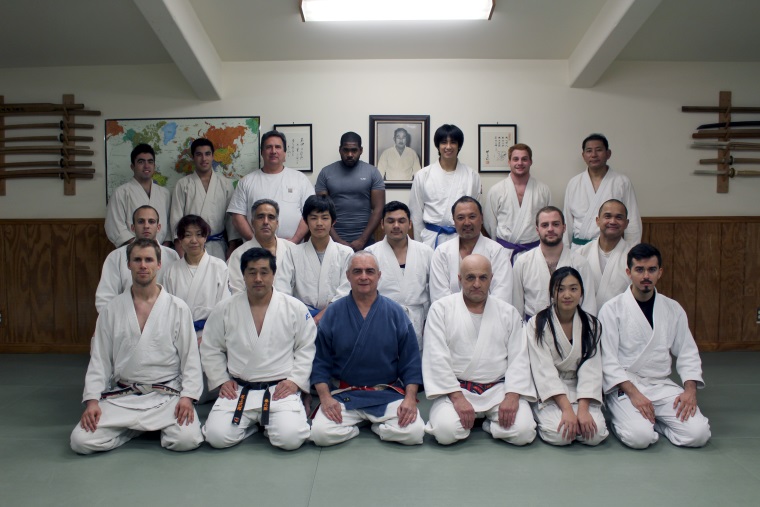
[15, 149]
[724, 132]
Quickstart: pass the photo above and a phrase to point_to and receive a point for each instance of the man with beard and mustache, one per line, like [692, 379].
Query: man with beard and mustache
[641, 329]
[358, 191]
[444, 268]
[532, 270]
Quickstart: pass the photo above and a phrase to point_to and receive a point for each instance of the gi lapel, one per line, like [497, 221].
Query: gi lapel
[524, 209]
[641, 325]
[362, 326]
[588, 228]
[481, 341]
[197, 281]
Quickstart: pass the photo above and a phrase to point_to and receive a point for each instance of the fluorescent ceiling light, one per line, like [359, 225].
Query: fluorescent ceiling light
[395, 10]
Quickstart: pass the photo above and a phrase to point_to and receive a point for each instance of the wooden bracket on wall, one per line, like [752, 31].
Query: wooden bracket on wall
[723, 132]
[66, 167]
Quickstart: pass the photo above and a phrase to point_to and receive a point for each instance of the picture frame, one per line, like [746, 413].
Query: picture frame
[236, 147]
[299, 154]
[396, 162]
[494, 141]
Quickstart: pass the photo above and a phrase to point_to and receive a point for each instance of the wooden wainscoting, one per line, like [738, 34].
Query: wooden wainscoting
[712, 267]
[49, 270]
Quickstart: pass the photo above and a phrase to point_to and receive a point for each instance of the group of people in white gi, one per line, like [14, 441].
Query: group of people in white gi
[478, 359]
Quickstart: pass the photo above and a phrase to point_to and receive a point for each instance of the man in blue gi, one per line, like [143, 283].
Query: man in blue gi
[367, 366]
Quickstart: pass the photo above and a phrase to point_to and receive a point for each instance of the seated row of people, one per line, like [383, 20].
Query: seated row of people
[263, 349]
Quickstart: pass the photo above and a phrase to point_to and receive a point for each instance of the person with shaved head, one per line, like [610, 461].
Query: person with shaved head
[475, 363]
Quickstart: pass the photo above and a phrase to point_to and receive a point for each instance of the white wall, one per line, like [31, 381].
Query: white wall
[636, 104]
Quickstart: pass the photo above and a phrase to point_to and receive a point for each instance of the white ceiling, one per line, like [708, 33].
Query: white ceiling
[36, 33]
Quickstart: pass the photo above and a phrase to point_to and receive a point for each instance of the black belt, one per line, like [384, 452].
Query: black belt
[139, 389]
[256, 386]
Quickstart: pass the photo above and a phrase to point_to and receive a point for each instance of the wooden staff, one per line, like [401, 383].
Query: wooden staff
[727, 145]
[60, 125]
[48, 163]
[729, 160]
[29, 139]
[733, 134]
[730, 173]
[43, 173]
[43, 150]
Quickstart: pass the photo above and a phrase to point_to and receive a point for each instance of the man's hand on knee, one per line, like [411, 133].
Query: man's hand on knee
[184, 411]
[464, 409]
[228, 390]
[91, 416]
[508, 410]
[686, 402]
[284, 389]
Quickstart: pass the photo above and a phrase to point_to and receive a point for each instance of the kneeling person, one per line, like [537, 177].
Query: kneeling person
[563, 342]
[144, 372]
[367, 347]
[261, 370]
[641, 329]
[475, 363]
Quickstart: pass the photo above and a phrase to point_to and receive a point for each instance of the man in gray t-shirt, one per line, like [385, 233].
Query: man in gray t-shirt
[358, 191]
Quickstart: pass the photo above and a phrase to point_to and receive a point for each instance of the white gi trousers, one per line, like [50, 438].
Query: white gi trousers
[288, 427]
[548, 415]
[446, 427]
[635, 431]
[325, 432]
[118, 425]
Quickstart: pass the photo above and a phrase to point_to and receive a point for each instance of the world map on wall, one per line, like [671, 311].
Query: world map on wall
[236, 143]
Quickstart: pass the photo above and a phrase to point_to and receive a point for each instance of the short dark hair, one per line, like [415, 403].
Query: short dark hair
[613, 200]
[596, 137]
[447, 131]
[188, 220]
[395, 206]
[201, 141]
[318, 203]
[351, 137]
[141, 148]
[270, 202]
[550, 209]
[144, 243]
[464, 199]
[145, 206]
[255, 254]
[274, 133]
[643, 251]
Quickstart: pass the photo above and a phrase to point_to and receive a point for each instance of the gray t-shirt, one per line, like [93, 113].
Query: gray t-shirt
[350, 190]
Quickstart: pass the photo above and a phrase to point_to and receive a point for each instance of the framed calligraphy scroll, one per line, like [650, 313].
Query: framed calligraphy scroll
[493, 143]
[299, 153]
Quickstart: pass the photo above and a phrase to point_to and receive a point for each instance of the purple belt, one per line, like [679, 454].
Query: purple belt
[517, 247]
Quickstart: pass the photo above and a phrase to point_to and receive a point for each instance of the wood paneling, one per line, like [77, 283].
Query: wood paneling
[50, 270]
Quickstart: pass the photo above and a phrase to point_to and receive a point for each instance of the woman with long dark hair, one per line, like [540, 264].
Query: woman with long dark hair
[563, 342]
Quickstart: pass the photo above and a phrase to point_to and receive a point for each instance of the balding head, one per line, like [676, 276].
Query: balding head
[475, 277]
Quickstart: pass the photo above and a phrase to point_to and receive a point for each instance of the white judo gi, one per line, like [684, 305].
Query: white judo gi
[613, 280]
[237, 284]
[284, 349]
[444, 269]
[201, 287]
[582, 206]
[632, 350]
[190, 198]
[116, 277]
[164, 352]
[290, 188]
[314, 283]
[433, 193]
[505, 218]
[398, 167]
[557, 373]
[409, 287]
[123, 203]
[455, 351]
[531, 276]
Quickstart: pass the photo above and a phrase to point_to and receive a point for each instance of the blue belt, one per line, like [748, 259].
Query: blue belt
[216, 237]
[199, 324]
[517, 247]
[581, 241]
[439, 229]
[313, 311]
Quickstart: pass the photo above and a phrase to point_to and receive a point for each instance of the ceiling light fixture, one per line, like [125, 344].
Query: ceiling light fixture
[395, 10]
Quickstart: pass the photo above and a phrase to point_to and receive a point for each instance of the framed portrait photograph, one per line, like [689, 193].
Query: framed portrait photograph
[493, 143]
[398, 147]
[299, 154]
